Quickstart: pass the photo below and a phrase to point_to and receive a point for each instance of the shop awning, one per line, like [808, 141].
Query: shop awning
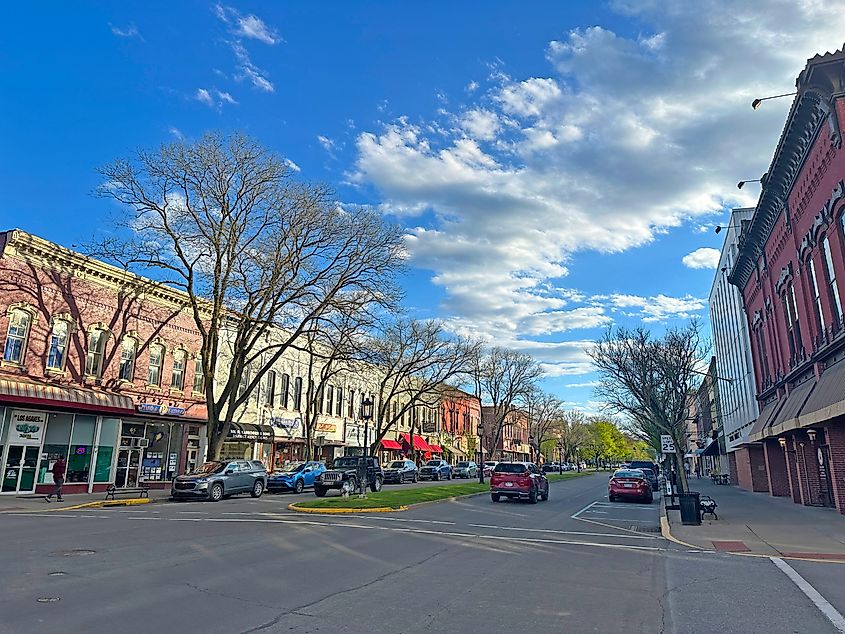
[32, 393]
[786, 417]
[766, 414]
[392, 445]
[435, 449]
[711, 450]
[250, 432]
[419, 443]
[828, 399]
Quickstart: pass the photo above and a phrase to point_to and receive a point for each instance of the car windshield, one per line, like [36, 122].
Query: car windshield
[398, 464]
[510, 467]
[346, 462]
[648, 472]
[433, 463]
[463, 464]
[629, 473]
[293, 467]
[210, 467]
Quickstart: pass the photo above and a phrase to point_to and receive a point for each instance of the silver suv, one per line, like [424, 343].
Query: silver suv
[217, 478]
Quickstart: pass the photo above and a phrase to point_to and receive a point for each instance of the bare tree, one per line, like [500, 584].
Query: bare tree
[544, 414]
[253, 250]
[649, 380]
[573, 433]
[505, 378]
[415, 360]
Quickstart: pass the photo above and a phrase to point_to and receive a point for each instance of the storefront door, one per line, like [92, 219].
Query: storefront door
[21, 464]
[128, 468]
[825, 483]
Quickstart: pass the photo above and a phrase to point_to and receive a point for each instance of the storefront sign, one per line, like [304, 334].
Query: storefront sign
[354, 435]
[329, 427]
[27, 427]
[161, 410]
[290, 424]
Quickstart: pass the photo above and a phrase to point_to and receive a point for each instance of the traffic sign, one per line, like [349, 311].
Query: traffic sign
[666, 444]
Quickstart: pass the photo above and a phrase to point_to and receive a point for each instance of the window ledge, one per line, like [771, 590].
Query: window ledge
[10, 364]
[55, 372]
[196, 394]
[177, 391]
[153, 388]
[125, 383]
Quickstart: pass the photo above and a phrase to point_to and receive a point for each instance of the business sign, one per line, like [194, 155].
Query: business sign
[288, 424]
[666, 444]
[27, 427]
[329, 427]
[354, 434]
[161, 410]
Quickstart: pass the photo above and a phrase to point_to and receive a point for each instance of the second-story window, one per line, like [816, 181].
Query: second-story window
[244, 384]
[285, 389]
[16, 335]
[350, 412]
[156, 363]
[177, 375]
[833, 287]
[297, 393]
[339, 402]
[817, 296]
[270, 392]
[329, 400]
[199, 375]
[96, 350]
[128, 352]
[58, 345]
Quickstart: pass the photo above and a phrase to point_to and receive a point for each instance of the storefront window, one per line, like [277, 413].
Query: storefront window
[105, 449]
[157, 458]
[56, 442]
[81, 447]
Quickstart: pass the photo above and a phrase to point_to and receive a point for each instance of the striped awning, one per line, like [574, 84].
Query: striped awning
[32, 393]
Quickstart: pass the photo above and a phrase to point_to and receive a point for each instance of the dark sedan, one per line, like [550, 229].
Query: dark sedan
[436, 470]
[401, 471]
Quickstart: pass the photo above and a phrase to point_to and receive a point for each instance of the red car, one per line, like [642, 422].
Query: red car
[629, 483]
[518, 480]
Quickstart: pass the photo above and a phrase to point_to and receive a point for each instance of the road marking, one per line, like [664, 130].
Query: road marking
[577, 516]
[591, 504]
[556, 532]
[820, 602]
[599, 512]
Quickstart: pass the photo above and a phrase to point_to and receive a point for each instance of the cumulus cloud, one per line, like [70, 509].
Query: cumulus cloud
[618, 139]
[126, 32]
[704, 258]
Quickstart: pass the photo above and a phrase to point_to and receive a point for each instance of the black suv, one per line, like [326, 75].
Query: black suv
[344, 475]
[401, 470]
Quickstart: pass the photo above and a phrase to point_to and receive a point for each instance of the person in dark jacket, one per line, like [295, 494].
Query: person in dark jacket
[59, 468]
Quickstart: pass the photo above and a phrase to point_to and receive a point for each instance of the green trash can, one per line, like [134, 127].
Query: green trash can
[690, 509]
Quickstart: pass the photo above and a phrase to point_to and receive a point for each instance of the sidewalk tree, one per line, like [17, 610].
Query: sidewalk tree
[545, 412]
[223, 220]
[647, 380]
[573, 433]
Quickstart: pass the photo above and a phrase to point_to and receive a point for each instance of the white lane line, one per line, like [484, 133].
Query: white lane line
[556, 532]
[599, 512]
[832, 614]
[591, 504]
[401, 519]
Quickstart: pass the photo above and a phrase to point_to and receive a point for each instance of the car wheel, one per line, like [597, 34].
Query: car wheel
[319, 491]
[532, 496]
[449, 476]
[649, 499]
[544, 496]
[436, 476]
[611, 498]
[299, 486]
[415, 479]
[215, 493]
[495, 497]
[257, 489]
[375, 487]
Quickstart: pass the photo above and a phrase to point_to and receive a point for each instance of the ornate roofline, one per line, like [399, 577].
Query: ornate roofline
[818, 86]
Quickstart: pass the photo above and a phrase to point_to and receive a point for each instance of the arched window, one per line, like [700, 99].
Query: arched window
[156, 363]
[833, 287]
[96, 351]
[57, 354]
[817, 295]
[329, 400]
[17, 335]
[351, 410]
[128, 354]
[177, 375]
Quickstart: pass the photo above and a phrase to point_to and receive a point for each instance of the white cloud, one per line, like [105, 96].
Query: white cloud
[327, 144]
[292, 165]
[127, 32]
[471, 86]
[176, 133]
[704, 258]
[204, 96]
[582, 385]
[225, 96]
[617, 140]
[250, 27]
[253, 27]
[257, 77]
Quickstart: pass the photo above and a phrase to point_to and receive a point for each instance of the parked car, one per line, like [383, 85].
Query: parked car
[295, 476]
[629, 483]
[489, 465]
[400, 471]
[344, 475]
[651, 477]
[518, 480]
[645, 464]
[465, 469]
[551, 467]
[217, 479]
[436, 470]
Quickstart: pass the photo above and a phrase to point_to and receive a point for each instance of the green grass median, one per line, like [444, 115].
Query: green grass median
[567, 475]
[405, 497]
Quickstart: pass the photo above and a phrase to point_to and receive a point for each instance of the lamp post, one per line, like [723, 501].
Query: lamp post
[367, 415]
[560, 457]
[480, 453]
[759, 102]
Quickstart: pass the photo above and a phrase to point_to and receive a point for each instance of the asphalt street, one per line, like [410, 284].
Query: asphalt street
[576, 563]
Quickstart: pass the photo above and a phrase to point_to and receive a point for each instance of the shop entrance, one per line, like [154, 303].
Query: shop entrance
[21, 465]
[128, 468]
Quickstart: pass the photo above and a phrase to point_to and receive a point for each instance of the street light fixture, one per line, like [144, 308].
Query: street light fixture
[782, 442]
[812, 435]
[740, 184]
[755, 104]
[367, 415]
[481, 453]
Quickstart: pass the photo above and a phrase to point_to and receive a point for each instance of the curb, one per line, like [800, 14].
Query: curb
[454, 498]
[86, 505]
[667, 533]
[342, 511]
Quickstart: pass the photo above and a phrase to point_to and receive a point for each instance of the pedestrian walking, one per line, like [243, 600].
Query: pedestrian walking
[58, 470]
[698, 471]
[686, 469]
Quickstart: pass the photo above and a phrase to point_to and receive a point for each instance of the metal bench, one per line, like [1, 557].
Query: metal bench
[142, 490]
[708, 506]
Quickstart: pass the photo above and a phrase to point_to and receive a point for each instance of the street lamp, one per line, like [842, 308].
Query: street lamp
[560, 457]
[367, 415]
[480, 431]
[759, 102]
[782, 442]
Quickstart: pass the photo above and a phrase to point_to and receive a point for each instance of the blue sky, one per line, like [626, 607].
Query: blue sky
[553, 162]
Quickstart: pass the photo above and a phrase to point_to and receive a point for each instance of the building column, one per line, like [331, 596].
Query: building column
[792, 470]
[835, 434]
[759, 477]
[776, 468]
[808, 474]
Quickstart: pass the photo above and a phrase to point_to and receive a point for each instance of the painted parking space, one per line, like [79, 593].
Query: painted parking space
[629, 517]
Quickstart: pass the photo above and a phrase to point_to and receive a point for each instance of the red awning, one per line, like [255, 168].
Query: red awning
[390, 444]
[419, 443]
[32, 393]
[435, 448]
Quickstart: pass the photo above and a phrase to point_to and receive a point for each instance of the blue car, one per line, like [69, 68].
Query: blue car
[295, 476]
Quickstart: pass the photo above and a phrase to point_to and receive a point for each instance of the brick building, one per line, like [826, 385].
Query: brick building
[513, 441]
[461, 415]
[98, 365]
[790, 268]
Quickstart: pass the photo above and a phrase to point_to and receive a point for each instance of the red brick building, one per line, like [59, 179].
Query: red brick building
[513, 441]
[790, 268]
[97, 365]
[461, 416]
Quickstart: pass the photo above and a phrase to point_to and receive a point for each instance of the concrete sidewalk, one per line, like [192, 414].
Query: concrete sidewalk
[29, 503]
[761, 524]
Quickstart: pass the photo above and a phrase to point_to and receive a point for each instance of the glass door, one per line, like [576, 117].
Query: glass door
[21, 465]
[128, 468]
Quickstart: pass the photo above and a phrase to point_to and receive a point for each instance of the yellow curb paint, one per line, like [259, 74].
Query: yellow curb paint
[667, 534]
[341, 511]
[104, 503]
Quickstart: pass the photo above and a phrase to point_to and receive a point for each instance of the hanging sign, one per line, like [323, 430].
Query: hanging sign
[27, 427]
